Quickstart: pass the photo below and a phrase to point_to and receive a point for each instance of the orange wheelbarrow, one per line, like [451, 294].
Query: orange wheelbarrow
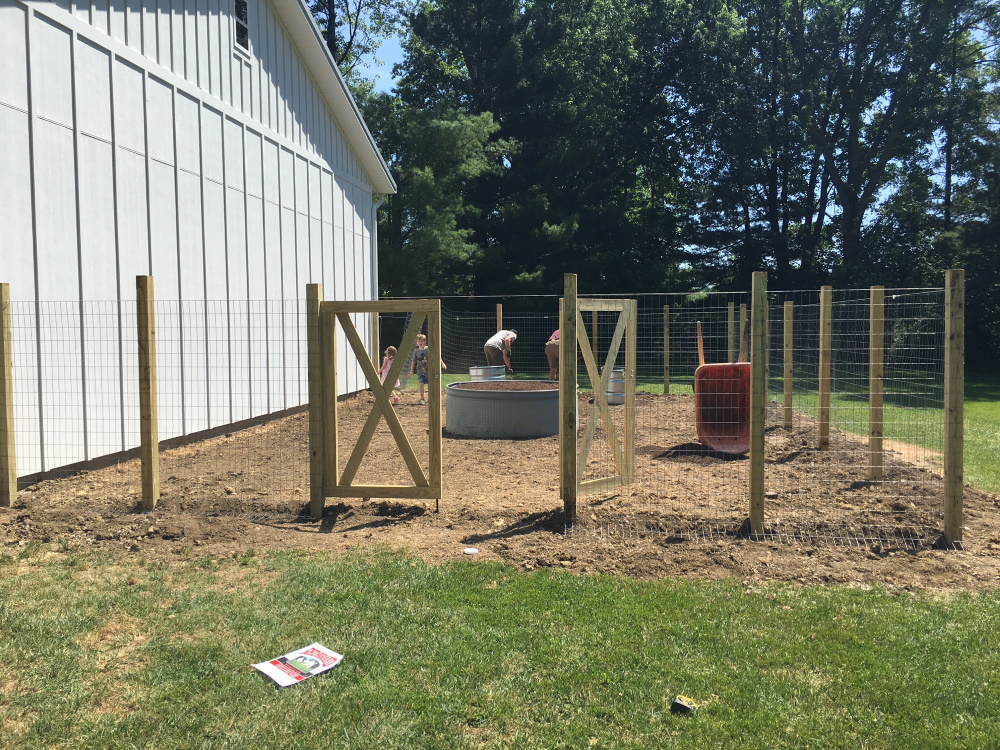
[722, 402]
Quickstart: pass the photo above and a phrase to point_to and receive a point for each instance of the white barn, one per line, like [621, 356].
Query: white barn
[210, 143]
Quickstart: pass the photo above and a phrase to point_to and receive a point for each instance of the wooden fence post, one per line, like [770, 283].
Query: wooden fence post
[434, 402]
[825, 356]
[731, 332]
[499, 316]
[328, 385]
[376, 353]
[743, 328]
[876, 385]
[8, 452]
[317, 487]
[149, 434]
[789, 362]
[666, 349]
[758, 400]
[954, 411]
[568, 478]
[631, 331]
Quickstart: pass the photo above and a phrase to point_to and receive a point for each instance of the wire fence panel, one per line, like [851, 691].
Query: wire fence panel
[226, 369]
[222, 367]
[687, 487]
[830, 492]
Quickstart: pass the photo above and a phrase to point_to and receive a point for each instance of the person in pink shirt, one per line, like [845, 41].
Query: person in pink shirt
[387, 360]
[552, 354]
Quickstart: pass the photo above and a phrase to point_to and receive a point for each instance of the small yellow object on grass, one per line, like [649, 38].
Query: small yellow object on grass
[683, 705]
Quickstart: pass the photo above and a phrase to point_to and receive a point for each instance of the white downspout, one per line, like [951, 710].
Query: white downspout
[374, 248]
[375, 344]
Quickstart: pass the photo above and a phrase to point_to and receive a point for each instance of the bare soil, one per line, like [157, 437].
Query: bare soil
[683, 516]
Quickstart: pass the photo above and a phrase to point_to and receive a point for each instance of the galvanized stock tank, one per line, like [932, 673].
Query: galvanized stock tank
[523, 409]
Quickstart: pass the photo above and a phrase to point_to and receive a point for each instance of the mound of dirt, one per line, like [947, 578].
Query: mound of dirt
[682, 516]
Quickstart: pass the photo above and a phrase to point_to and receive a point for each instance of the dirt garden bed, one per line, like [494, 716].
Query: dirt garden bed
[249, 490]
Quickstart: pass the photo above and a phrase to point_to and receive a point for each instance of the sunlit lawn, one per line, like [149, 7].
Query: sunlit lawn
[102, 652]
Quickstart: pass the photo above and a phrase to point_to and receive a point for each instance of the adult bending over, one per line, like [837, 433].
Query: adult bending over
[497, 349]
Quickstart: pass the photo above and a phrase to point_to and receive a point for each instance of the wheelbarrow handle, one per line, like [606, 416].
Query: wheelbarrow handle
[744, 355]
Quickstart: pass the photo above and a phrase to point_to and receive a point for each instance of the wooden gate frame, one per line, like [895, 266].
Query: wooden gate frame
[573, 341]
[325, 478]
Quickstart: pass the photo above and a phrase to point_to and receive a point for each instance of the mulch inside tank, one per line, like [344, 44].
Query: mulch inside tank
[509, 385]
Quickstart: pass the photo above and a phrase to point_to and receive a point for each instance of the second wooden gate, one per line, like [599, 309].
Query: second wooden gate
[574, 344]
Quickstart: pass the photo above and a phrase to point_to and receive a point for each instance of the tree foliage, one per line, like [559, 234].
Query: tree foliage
[668, 145]
[355, 29]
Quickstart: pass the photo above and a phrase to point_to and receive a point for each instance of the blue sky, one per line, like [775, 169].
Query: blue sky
[390, 53]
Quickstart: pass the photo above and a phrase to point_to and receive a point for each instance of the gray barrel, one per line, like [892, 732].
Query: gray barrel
[616, 387]
[487, 372]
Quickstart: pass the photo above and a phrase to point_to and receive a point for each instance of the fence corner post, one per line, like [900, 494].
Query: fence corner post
[568, 479]
[8, 452]
[758, 400]
[954, 410]
[317, 490]
[149, 438]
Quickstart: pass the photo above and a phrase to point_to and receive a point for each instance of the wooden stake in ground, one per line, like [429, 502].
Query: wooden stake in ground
[758, 400]
[825, 357]
[149, 434]
[666, 349]
[789, 364]
[876, 375]
[568, 478]
[8, 454]
[954, 410]
[317, 498]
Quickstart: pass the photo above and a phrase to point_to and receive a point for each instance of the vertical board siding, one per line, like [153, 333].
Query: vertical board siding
[273, 276]
[93, 76]
[116, 167]
[51, 71]
[17, 239]
[14, 61]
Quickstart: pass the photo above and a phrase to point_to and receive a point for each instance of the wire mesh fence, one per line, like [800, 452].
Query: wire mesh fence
[689, 484]
[222, 367]
[235, 376]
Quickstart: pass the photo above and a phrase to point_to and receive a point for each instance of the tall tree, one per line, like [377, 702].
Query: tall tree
[355, 29]
[583, 88]
[870, 84]
[424, 239]
[768, 190]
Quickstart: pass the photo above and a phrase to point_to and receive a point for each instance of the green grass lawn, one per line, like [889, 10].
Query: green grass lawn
[982, 431]
[100, 654]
